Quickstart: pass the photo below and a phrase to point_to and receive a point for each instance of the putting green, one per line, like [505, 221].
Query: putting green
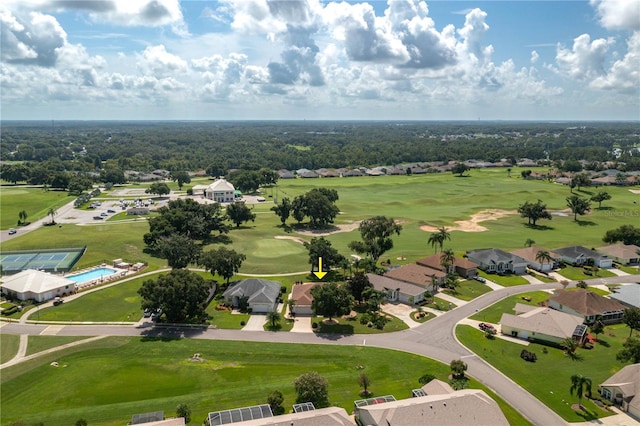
[270, 248]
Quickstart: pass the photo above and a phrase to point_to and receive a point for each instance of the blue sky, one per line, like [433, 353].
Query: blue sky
[312, 59]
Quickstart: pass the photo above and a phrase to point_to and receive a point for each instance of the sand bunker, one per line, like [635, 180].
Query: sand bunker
[332, 230]
[635, 191]
[288, 237]
[472, 225]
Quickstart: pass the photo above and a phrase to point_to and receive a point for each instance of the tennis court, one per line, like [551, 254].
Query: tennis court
[49, 260]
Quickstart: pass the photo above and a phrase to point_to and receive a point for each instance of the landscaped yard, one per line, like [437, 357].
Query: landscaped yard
[577, 273]
[353, 325]
[107, 381]
[504, 280]
[548, 379]
[494, 312]
[8, 346]
[468, 290]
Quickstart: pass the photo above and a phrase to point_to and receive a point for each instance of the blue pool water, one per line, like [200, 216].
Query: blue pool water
[91, 275]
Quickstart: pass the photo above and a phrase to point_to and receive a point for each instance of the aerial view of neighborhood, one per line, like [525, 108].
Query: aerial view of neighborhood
[319, 213]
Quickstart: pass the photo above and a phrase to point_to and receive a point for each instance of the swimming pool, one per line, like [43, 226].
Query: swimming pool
[91, 275]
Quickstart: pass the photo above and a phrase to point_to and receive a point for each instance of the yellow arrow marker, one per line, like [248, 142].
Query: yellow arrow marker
[319, 273]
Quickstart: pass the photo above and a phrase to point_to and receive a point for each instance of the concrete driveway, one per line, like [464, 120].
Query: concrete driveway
[255, 323]
[302, 325]
[401, 311]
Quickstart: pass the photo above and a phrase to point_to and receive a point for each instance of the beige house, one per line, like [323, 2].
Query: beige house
[541, 323]
[587, 305]
[37, 285]
[529, 254]
[623, 389]
[220, 191]
[626, 254]
[418, 275]
[396, 290]
[455, 408]
[330, 416]
[301, 295]
[463, 267]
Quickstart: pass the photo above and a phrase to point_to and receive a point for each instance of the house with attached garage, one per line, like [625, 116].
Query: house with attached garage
[623, 389]
[302, 298]
[627, 294]
[542, 323]
[579, 255]
[463, 267]
[260, 295]
[418, 275]
[497, 261]
[530, 254]
[626, 254]
[587, 305]
[396, 290]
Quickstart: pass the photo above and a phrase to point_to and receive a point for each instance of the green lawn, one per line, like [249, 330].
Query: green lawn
[494, 312]
[577, 273]
[353, 326]
[504, 280]
[107, 381]
[436, 302]
[8, 346]
[34, 201]
[548, 379]
[40, 343]
[468, 290]
[633, 270]
[427, 316]
[543, 278]
[224, 318]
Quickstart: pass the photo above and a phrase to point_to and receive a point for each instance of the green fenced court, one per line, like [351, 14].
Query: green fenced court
[49, 260]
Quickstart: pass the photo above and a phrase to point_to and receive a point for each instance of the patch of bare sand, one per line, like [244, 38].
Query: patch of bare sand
[635, 191]
[289, 237]
[473, 224]
[331, 230]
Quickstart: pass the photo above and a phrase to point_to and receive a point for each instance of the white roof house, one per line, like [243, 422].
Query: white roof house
[220, 191]
[540, 323]
[38, 285]
[623, 388]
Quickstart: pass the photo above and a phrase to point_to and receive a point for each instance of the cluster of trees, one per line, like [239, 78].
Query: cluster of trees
[627, 234]
[317, 204]
[249, 180]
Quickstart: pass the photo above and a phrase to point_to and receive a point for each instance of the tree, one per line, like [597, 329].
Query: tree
[77, 184]
[526, 174]
[543, 257]
[447, 258]
[373, 299]
[628, 234]
[630, 351]
[459, 169]
[239, 212]
[159, 188]
[275, 400]
[112, 174]
[534, 211]
[582, 284]
[376, 235]
[223, 261]
[438, 238]
[364, 382]
[22, 217]
[81, 422]
[274, 318]
[529, 242]
[283, 210]
[312, 387]
[247, 181]
[331, 300]
[578, 206]
[181, 294]
[183, 410]
[358, 284]
[178, 249]
[600, 197]
[52, 213]
[458, 367]
[298, 209]
[631, 317]
[181, 177]
[597, 327]
[321, 247]
[580, 384]
[570, 346]
[319, 206]
[580, 180]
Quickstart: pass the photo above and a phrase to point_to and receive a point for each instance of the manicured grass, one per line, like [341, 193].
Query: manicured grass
[427, 316]
[577, 273]
[440, 304]
[628, 269]
[504, 280]
[224, 318]
[593, 289]
[353, 326]
[543, 278]
[109, 380]
[548, 379]
[468, 290]
[494, 312]
[41, 343]
[8, 346]
[34, 201]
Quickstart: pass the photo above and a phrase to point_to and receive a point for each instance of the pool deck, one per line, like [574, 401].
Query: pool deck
[119, 273]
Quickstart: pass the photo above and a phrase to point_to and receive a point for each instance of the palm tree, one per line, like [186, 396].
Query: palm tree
[543, 257]
[439, 237]
[569, 345]
[446, 260]
[529, 242]
[274, 318]
[435, 240]
[434, 283]
[52, 212]
[579, 384]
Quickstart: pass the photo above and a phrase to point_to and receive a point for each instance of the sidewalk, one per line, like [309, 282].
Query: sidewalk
[448, 298]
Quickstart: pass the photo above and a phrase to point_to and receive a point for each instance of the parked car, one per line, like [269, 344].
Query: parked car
[98, 218]
[147, 312]
[57, 301]
[156, 314]
[479, 279]
[12, 231]
[104, 214]
[487, 327]
[111, 211]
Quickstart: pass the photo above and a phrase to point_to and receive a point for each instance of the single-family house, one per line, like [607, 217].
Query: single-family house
[418, 275]
[301, 295]
[286, 174]
[396, 290]
[353, 172]
[328, 173]
[462, 407]
[531, 255]
[542, 323]
[497, 261]
[221, 191]
[626, 254]
[38, 285]
[260, 295]
[308, 175]
[579, 255]
[587, 305]
[623, 389]
[463, 267]
[628, 295]
[199, 189]
[261, 416]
